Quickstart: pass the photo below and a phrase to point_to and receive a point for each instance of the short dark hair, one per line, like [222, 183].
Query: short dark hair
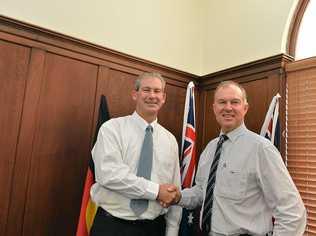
[147, 75]
[231, 82]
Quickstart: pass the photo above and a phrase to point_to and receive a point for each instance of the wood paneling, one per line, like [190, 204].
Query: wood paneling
[13, 68]
[210, 126]
[25, 144]
[259, 101]
[171, 114]
[61, 146]
[118, 91]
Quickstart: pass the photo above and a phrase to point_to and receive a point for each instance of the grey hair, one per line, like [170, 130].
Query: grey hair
[229, 83]
[148, 75]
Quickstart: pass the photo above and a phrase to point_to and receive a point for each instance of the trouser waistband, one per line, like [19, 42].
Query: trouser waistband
[251, 235]
[158, 220]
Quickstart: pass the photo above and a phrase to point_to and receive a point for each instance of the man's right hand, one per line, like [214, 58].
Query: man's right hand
[169, 194]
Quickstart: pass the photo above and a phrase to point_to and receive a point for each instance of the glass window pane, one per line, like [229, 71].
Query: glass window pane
[306, 40]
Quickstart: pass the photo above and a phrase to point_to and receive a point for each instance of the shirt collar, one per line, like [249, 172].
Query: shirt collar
[234, 134]
[143, 123]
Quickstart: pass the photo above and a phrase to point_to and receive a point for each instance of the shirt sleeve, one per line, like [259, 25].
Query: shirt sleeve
[193, 197]
[112, 173]
[281, 194]
[174, 213]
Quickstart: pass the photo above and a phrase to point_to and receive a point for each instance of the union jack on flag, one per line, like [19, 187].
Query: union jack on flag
[189, 222]
[271, 127]
[188, 148]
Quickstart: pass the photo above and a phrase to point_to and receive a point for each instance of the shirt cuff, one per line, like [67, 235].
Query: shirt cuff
[180, 203]
[152, 191]
[172, 231]
[182, 200]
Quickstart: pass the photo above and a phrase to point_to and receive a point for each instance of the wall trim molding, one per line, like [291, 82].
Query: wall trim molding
[247, 72]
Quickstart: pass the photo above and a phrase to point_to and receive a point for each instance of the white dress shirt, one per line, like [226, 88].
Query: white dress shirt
[116, 154]
[252, 185]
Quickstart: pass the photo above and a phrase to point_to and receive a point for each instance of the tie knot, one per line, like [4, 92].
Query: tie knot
[149, 128]
[222, 139]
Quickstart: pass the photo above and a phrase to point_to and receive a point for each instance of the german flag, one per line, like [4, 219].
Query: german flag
[88, 208]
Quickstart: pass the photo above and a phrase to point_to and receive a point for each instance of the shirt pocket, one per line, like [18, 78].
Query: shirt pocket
[231, 184]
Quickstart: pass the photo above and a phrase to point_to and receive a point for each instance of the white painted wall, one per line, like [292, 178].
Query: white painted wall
[245, 30]
[184, 34]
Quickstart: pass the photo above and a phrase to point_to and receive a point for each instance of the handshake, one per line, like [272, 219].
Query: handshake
[169, 194]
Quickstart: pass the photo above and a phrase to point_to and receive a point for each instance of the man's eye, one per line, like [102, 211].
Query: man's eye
[146, 90]
[235, 102]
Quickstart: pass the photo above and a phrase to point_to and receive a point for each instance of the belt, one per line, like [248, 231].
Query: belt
[250, 234]
[104, 213]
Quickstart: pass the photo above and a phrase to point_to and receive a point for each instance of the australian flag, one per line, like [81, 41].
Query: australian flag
[189, 221]
[271, 125]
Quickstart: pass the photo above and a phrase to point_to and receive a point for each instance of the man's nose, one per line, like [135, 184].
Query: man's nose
[228, 106]
[151, 93]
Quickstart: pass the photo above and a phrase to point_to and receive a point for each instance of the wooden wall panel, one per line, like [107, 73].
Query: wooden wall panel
[13, 67]
[259, 100]
[210, 126]
[101, 87]
[199, 119]
[61, 146]
[118, 92]
[24, 148]
[171, 114]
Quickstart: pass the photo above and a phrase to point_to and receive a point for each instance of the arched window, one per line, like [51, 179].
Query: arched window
[302, 35]
[306, 38]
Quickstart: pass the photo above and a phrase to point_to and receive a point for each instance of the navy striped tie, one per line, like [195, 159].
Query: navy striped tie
[208, 202]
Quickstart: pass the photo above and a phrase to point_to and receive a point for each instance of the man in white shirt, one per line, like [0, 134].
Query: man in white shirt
[252, 184]
[116, 157]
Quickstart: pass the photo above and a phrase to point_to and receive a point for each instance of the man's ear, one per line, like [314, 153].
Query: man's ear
[134, 95]
[164, 97]
[246, 108]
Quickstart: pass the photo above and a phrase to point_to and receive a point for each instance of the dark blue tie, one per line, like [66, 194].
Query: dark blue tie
[144, 169]
[208, 202]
